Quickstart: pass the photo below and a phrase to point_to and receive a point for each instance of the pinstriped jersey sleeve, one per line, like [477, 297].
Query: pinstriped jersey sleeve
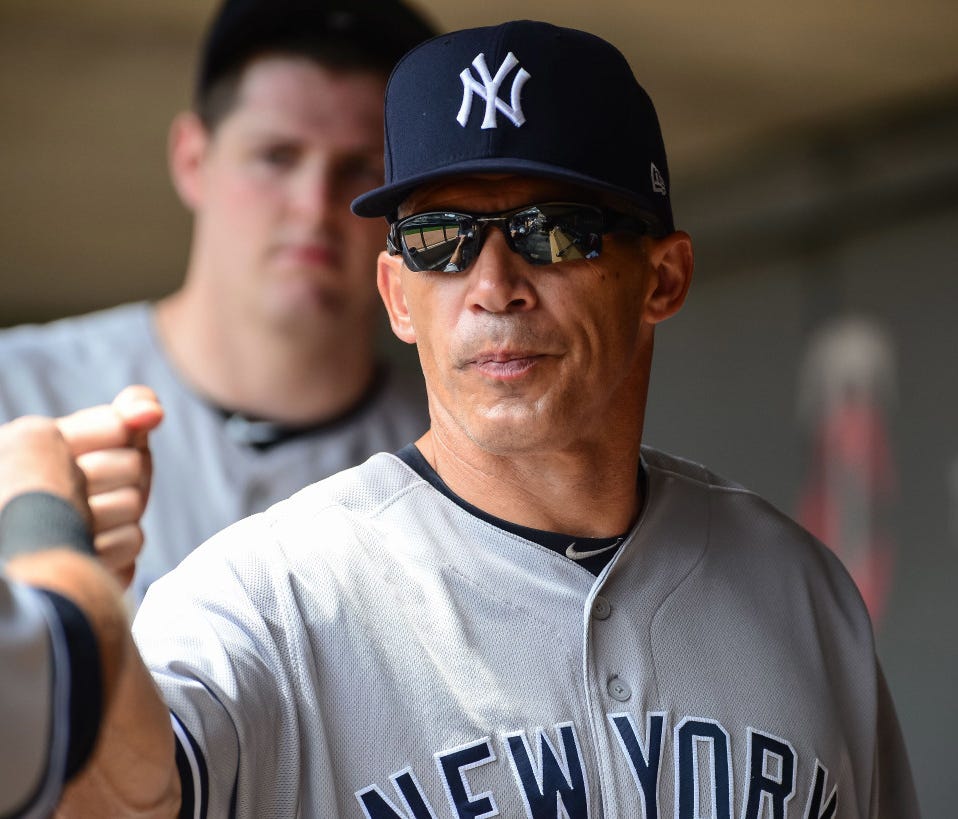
[34, 706]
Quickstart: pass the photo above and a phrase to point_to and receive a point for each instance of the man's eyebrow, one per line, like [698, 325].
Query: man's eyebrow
[272, 134]
[267, 134]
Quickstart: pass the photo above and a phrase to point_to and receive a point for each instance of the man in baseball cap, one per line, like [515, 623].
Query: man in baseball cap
[526, 612]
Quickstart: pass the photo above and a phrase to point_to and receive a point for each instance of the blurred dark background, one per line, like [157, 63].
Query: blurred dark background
[814, 158]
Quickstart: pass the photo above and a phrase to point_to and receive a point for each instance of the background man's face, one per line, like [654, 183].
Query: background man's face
[276, 180]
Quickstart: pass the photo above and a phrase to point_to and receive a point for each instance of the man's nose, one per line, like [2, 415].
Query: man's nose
[314, 195]
[500, 279]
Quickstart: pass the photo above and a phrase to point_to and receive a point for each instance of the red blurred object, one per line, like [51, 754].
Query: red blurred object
[852, 487]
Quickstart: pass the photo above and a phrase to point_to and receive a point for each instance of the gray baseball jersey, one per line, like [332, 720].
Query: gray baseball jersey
[370, 648]
[51, 697]
[205, 475]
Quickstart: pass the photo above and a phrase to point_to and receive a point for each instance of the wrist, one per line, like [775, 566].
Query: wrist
[34, 521]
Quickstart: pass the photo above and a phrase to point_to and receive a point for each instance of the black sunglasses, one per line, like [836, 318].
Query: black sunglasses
[447, 241]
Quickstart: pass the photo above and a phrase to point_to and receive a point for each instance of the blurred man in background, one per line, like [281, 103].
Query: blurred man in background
[265, 359]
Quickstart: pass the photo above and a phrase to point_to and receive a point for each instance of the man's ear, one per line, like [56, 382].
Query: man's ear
[389, 279]
[671, 262]
[186, 147]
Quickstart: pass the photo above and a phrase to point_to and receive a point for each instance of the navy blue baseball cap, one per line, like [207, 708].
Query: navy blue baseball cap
[524, 98]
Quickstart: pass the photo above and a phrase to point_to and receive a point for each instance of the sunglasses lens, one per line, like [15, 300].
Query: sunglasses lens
[556, 233]
[541, 234]
[436, 241]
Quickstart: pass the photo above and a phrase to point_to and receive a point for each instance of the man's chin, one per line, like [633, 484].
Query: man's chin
[309, 318]
[510, 430]
[302, 300]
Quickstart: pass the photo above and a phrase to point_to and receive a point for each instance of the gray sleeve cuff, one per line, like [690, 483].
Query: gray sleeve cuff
[35, 521]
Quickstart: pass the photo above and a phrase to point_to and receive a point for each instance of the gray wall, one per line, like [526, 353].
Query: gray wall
[861, 219]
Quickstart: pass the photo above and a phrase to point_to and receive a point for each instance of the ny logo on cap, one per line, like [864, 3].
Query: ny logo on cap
[489, 91]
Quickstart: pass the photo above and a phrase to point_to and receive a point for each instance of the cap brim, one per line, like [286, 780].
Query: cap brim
[385, 201]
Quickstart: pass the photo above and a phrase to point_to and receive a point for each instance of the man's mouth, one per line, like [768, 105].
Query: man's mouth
[311, 254]
[506, 364]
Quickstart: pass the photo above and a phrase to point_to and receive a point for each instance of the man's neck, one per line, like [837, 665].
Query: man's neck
[262, 372]
[591, 491]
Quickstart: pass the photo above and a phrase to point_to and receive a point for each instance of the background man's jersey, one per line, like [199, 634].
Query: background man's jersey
[368, 648]
[205, 476]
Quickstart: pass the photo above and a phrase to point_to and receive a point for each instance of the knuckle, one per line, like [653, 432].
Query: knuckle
[35, 428]
[117, 507]
[139, 501]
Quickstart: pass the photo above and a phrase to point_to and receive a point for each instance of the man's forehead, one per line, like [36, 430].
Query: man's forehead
[491, 192]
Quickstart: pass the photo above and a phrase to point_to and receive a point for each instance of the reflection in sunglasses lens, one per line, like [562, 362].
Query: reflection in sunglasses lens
[542, 234]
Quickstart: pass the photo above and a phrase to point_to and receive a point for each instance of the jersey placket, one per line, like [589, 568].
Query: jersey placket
[629, 714]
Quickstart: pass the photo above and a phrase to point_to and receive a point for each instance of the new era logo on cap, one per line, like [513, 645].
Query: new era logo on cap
[658, 182]
[523, 98]
[489, 91]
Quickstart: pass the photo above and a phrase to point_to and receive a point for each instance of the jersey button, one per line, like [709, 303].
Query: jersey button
[619, 689]
[601, 608]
